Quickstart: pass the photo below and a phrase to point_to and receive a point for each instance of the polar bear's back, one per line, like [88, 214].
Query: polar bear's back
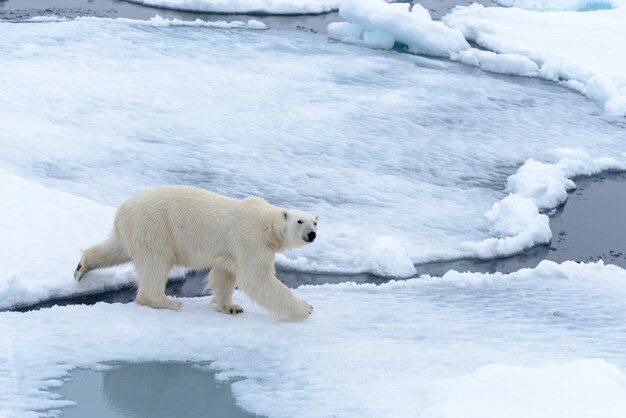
[183, 205]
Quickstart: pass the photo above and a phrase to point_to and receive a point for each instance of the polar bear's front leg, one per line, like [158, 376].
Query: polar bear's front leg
[222, 284]
[264, 288]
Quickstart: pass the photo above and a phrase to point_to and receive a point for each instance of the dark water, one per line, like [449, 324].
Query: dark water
[590, 226]
[149, 390]
[592, 223]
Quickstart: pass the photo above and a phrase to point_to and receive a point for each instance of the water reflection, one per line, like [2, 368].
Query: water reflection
[150, 390]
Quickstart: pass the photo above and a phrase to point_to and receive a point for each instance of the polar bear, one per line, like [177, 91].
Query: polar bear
[181, 225]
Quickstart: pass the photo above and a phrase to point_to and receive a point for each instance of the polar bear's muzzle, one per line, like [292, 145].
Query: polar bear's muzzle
[310, 237]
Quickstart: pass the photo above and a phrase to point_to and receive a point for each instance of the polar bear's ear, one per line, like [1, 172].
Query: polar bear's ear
[285, 215]
[317, 218]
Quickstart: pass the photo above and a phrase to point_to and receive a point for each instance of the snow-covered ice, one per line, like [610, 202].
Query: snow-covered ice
[423, 347]
[584, 50]
[580, 389]
[377, 144]
[275, 7]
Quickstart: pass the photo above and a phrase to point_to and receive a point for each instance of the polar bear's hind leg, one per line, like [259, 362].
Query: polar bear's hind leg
[222, 284]
[151, 281]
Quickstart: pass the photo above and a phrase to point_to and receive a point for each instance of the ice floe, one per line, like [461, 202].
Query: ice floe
[494, 343]
[584, 50]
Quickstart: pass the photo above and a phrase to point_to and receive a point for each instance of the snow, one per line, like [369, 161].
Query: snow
[388, 257]
[401, 348]
[398, 154]
[275, 7]
[408, 24]
[580, 389]
[562, 5]
[583, 49]
[516, 224]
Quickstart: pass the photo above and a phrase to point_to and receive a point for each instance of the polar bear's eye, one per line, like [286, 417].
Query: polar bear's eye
[299, 221]
[315, 223]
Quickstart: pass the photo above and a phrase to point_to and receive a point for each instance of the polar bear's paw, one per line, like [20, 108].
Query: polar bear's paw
[232, 309]
[161, 303]
[80, 270]
[171, 303]
[300, 311]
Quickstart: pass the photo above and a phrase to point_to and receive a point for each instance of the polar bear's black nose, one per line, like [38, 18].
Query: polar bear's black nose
[311, 236]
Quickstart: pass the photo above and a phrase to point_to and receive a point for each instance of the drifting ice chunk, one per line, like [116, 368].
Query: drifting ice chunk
[346, 32]
[355, 34]
[410, 26]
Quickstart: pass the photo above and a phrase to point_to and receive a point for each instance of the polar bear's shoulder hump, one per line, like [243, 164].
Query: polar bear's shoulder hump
[257, 203]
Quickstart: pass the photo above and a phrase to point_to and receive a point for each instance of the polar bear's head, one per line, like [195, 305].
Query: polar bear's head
[300, 228]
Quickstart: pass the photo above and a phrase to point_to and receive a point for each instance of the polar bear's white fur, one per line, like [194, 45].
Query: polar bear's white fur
[194, 228]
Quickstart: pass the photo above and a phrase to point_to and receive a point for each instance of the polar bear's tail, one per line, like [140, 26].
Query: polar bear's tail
[105, 254]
